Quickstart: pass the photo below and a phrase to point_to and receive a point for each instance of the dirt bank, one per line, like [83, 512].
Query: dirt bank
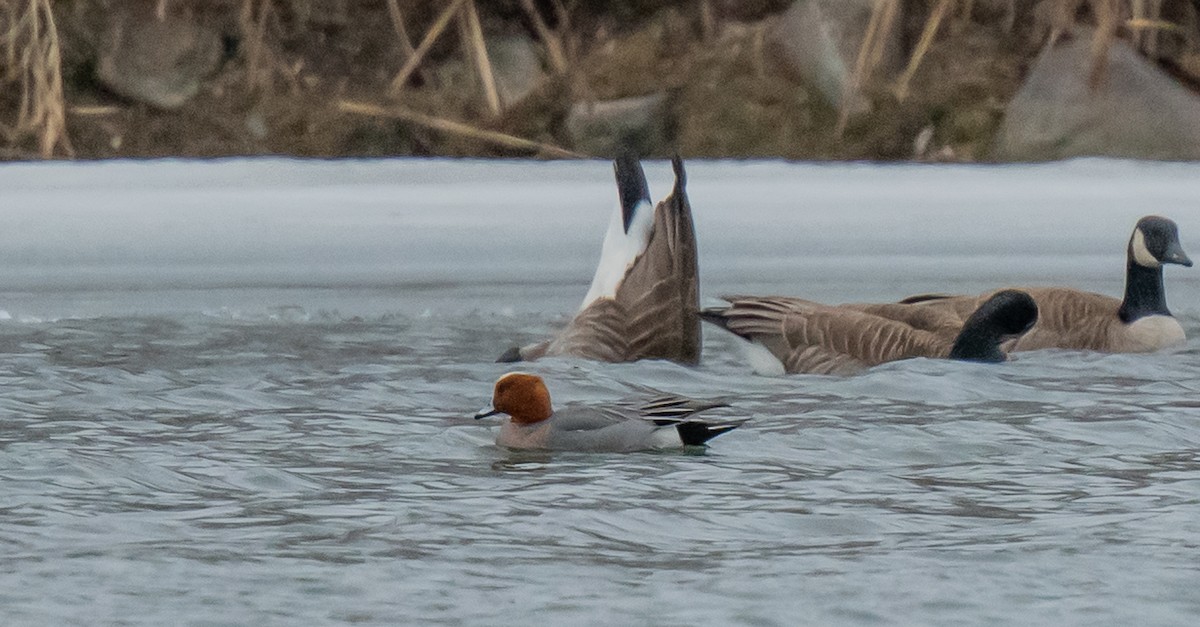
[302, 78]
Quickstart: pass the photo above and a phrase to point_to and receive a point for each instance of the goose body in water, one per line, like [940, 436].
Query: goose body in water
[806, 337]
[644, 299]
[1079, 320]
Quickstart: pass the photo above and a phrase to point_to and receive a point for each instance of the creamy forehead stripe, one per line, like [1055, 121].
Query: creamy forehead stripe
[1141, 254]
[514, 374]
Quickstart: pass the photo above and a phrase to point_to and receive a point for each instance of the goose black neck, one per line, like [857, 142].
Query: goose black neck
[632, 187]
[1144, 293]
[978, 343]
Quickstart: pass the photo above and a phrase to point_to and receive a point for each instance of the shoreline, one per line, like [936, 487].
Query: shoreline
[925, 82]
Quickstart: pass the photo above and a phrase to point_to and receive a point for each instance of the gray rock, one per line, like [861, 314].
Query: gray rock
[162, 63]
[256, 125]
[1137, 111]
[640, 124]
[817, 42]
[516, 65]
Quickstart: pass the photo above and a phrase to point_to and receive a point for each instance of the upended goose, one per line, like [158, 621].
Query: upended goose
[644, 299]
[808, 337]
[1078, 320]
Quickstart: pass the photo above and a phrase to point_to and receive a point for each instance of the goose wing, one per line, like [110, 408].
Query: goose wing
[1071, 319]
[654, 311]
[597, 332]
[812, 338]
[943, 320]
[660, 293]
[1067, 318]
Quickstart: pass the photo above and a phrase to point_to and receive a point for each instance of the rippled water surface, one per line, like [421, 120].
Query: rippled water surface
[239, 393]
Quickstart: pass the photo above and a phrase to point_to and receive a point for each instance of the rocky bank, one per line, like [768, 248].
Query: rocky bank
[805, 79]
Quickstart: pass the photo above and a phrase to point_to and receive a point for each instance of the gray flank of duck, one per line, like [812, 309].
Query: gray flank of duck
[659, 421]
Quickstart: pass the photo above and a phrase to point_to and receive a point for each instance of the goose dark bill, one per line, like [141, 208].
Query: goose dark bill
[1174, 254]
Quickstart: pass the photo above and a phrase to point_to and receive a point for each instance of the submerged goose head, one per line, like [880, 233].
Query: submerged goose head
[522, 396]
[1008, 314]
[1155, 241]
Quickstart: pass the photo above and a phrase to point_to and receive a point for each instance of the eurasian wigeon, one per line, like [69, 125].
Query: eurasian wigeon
[663, 421]
[1078, 320]
[644, 299]
[801, 336]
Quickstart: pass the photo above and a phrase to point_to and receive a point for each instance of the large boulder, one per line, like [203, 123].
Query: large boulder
[1135, 111]
[161, 62]
[817, 42]
[641, 124]
[516, 65]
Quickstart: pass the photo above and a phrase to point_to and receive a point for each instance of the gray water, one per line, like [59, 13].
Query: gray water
[239, 393]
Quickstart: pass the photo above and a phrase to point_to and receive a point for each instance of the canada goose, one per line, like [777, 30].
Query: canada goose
[644, 300]
[808, 337]
[1078, 320]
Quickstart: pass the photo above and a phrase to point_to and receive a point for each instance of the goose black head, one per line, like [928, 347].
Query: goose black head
[1155, 241]
[1008, 314]
[1013, 312]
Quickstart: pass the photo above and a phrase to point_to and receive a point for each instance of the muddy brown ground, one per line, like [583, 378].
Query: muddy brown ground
[728, 97]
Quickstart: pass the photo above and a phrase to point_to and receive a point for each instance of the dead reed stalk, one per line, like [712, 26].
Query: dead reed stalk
[1141, 19]
[32, 65]
[401, 30]
[398, 24]
[457, 128]
[252, 21]
[431, 36]
[927, 34]
[552, 40]
[870, 53]
[476, 47]
[1108, 19]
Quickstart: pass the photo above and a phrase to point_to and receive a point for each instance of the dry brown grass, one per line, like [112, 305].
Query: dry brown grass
[458, 128]
[1141, 21]
[254, 20]
[870, 53]
[31, 70]
[576, 36]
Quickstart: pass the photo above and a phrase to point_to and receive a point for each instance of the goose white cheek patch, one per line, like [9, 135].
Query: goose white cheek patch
[1141, 254]
[620, 250]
